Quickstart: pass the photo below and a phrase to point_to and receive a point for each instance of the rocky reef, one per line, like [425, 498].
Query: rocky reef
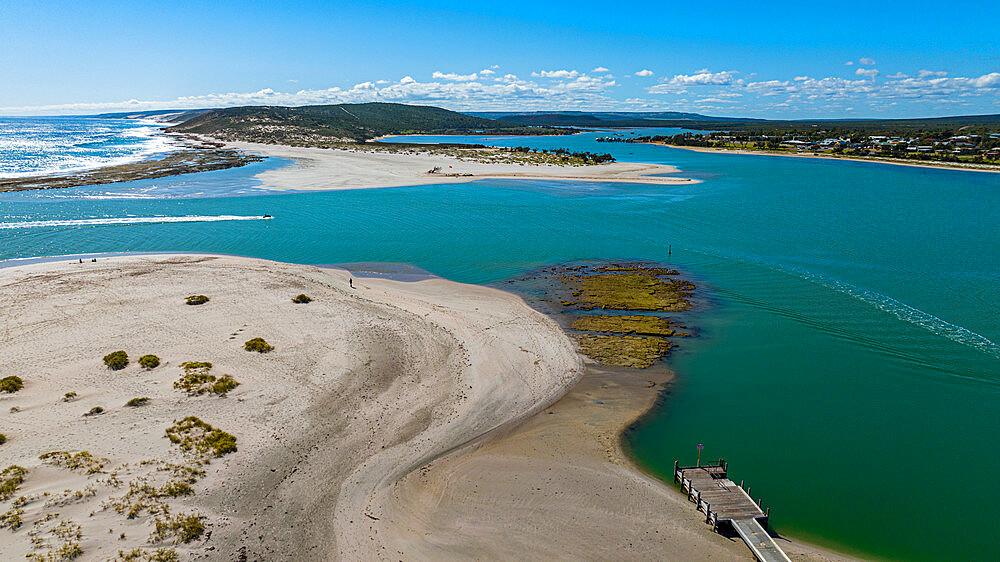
[186, 161]
[631, 330]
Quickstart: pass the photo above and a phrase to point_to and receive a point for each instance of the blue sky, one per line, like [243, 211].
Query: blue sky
[780, 60]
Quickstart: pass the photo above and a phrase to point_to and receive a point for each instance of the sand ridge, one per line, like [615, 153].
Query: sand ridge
[337, 169]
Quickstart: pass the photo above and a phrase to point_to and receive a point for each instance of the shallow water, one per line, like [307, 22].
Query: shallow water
[847, 365]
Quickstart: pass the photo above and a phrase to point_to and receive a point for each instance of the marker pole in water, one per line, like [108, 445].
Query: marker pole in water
[700, 447]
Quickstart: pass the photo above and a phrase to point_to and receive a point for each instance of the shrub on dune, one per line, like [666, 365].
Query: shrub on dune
[149, 362]
[10, 479]
[136, 402]
[116, 361]
[194, 300]
[258, 345]
[302, 299]
[3, 438]
[11, 384]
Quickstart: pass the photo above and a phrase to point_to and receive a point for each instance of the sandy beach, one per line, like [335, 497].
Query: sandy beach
[936, 166]
[364, 386]
[333, 169]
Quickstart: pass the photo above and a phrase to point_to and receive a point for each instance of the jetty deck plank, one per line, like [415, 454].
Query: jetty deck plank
[723, 500]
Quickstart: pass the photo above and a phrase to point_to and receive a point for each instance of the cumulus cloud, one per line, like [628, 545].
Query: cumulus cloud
[866, 61]
[601, 69]
[644, 72]
[929, 73]
[849, 63]
[454, 77]
[453, 91]
[679, 82]
[555, 89]
[556, 74]
[487, 72]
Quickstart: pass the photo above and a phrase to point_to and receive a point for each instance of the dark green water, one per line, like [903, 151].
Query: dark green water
[847, 366]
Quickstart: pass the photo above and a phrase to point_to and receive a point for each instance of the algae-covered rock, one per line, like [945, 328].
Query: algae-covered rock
[638, 325]
[624, 351]
[632, 291]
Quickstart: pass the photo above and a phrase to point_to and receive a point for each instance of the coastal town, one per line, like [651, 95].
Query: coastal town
[981, 147]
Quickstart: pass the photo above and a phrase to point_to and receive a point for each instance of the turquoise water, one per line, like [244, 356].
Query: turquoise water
[847, 367]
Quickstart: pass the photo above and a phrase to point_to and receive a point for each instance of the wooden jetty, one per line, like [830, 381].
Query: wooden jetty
[724, 501]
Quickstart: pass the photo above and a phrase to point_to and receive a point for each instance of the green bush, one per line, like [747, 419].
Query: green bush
[69, 397]
[116, 361]
[196, 436]
[183, 528]
[3, 438]
[10, 479]
[302, 299]
[196, 300]
[258, 345]
[224, 384]
[95, 411]
[136, 402]
[11, 384]
[198, 380]
[78, 461]
[149, 362]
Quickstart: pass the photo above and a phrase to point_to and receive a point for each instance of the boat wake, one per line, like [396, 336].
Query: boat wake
[880, 301]
[109, 221]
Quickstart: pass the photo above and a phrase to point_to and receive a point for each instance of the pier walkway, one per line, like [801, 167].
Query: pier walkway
[722, 500]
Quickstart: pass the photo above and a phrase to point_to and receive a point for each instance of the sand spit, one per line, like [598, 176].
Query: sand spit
[560, 487]
[894, 161]
[335, 169]
[364, 386]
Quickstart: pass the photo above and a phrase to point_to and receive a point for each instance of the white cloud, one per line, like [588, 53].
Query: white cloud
[866, 61]
[849, 63]
[438, 75]
[928, 73]
[600, 69]
[679, 82]
[556, 74]
[487, 72]
[644, 72]
[565, 89]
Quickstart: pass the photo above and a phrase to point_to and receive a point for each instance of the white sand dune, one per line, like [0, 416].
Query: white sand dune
[364, 386]
[333, 169]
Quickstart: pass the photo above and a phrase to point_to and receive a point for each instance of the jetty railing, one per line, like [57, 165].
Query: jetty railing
[721, 499]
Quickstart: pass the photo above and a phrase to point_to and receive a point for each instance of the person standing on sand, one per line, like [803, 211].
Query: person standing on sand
[350, 281]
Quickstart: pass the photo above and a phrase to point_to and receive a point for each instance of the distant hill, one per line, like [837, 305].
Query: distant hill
[704, 122]
[344, 122]
[164, 115]
[597, 117]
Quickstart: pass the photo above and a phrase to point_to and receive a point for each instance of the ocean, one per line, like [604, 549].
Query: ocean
[847, 361]
[41, 145]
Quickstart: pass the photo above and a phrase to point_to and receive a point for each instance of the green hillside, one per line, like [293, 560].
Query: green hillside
[344, 122]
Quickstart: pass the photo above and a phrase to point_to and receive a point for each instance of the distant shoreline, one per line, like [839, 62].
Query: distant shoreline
[895, 162]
